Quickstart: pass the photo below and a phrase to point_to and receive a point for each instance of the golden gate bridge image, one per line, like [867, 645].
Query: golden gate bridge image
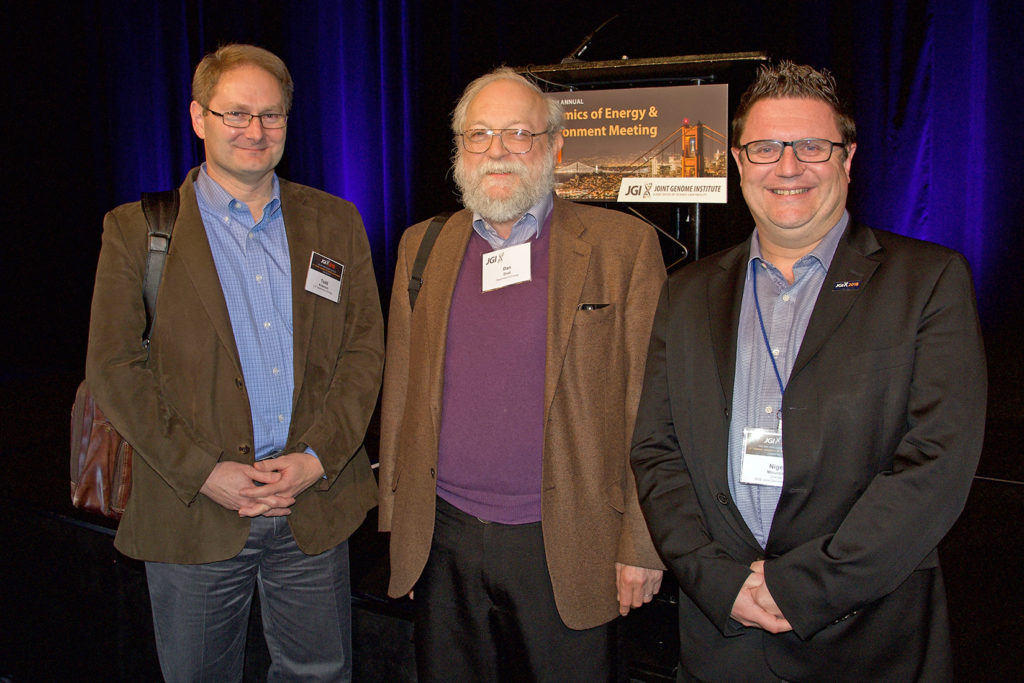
[690, 151]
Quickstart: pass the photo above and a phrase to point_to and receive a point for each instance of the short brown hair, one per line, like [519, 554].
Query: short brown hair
[231, 56]
[787, 79]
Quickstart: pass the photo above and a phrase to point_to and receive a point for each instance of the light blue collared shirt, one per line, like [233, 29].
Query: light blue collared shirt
[757, 397]
[526, 228]
[255, 275]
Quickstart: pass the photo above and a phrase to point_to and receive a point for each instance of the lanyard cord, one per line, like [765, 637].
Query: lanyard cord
[764, 333]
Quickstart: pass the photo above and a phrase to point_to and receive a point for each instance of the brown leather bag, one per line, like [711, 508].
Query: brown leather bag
[101, 460]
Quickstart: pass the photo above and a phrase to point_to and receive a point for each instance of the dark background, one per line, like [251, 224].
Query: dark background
[95, 111]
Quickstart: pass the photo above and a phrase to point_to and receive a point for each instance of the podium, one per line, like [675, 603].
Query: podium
[577, 75]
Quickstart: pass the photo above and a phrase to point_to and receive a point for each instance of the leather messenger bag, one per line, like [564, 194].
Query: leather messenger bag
[101, 459]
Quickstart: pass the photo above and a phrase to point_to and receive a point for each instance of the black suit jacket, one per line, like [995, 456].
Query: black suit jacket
[882, 428]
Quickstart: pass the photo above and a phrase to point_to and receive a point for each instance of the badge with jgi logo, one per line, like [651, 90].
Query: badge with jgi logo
[762, 457]
[504, 267]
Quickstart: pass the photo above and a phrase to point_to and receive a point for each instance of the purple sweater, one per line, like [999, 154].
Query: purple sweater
[490, 455]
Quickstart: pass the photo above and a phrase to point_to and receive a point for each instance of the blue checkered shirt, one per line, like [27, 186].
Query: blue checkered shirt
[757, 397]
[526, 228]
[255, 276]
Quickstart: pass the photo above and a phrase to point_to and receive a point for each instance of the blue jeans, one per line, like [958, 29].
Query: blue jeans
[201, 611]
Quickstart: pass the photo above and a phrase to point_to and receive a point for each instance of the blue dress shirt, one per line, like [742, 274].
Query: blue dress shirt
[526, 228]
[757, 396]
[255, 275]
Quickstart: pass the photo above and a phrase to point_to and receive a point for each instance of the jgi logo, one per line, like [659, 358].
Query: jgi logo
[494, 258]
[633, 191]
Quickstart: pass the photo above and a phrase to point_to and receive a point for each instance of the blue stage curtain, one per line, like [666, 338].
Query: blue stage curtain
[354, 116]
[937, 100]
[350, 132]
[935, 86]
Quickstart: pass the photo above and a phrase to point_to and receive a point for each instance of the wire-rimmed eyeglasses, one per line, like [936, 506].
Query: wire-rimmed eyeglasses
[242, 119]
[515, 140]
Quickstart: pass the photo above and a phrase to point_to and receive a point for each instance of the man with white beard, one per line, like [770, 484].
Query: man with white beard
[510, 393]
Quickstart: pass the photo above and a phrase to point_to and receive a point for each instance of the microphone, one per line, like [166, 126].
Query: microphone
[578, 51]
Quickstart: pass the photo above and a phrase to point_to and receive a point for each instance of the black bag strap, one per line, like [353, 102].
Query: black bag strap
[416, 278]
[160, 209]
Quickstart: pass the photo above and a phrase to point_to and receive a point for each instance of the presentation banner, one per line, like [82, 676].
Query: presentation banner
[667, 144]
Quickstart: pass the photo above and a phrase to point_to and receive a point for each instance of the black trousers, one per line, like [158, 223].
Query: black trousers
[485, 610]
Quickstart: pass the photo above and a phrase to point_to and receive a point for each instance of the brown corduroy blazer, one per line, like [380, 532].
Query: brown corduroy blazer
[184, 406]
[593, 375]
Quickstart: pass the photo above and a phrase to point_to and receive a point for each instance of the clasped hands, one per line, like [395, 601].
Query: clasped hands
[233, 484]
[754, 605]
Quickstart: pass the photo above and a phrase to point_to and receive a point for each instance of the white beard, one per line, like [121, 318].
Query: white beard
[533, 184]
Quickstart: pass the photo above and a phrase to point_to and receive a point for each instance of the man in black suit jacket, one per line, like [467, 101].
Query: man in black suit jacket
[811, 419]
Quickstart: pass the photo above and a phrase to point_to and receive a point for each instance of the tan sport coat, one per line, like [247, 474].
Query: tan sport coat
[594, 371]
[184, 406]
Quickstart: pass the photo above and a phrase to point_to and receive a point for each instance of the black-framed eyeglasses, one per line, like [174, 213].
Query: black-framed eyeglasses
[807, 150]
[242, 119]
[515, 140]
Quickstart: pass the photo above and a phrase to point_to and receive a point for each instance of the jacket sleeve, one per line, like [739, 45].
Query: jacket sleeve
[396, 379]
[118, 371]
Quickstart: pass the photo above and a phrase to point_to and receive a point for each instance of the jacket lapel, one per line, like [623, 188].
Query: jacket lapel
[856, 258]
[725, 297]
[302, 225]
[568, 260]
[435, 300]
[190, 245]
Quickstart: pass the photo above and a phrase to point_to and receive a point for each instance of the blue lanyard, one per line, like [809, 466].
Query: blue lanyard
[764, 333]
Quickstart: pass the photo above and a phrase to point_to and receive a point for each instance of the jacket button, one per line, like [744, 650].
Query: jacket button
[239, 383]
[722, 498]
[432, 473]
[244, 449]
[844, 617]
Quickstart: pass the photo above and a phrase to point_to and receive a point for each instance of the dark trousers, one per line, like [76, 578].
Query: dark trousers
[485, 610]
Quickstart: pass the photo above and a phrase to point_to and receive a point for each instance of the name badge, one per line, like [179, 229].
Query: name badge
[324, 277]
[504, 267]
[762, 457]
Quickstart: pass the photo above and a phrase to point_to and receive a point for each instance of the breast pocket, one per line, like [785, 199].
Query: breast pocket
[594, 313]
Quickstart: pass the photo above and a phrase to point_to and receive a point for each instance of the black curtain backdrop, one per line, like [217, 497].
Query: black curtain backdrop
[97, 96]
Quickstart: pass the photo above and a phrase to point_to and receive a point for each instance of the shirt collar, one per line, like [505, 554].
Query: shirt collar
[527, 227]
[823, 252]
[218, 200]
